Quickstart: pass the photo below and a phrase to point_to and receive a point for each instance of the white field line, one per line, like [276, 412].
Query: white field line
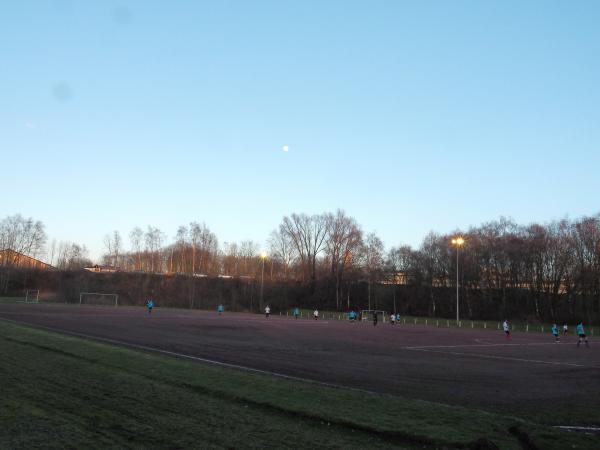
[425, 347]
[571, 428]
[308, 380]
[505, 358]
[199, 359]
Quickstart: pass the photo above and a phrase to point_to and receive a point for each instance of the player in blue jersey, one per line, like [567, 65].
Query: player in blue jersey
[581, 334]
[150, 305]
[555, 333]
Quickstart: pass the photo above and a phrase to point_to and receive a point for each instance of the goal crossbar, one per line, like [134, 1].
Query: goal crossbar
[367, 314]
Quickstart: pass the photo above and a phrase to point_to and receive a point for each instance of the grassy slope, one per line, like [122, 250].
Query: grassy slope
[64, 392]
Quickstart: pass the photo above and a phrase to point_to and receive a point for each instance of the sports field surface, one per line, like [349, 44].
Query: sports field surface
[529, 377]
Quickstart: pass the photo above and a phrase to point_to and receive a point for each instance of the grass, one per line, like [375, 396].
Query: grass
[65, 392]
[11, 299]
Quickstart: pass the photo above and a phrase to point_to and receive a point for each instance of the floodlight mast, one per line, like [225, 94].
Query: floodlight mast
[458, 241]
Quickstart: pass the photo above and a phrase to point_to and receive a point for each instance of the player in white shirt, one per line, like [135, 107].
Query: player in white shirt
[267, 311]
[316, 314]
[506, 328]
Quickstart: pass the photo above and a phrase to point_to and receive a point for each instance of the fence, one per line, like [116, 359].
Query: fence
[442, 323]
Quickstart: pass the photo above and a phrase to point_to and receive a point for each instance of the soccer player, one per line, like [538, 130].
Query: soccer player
[150, 305]
[267, 311]
[565, 329]
[220, 309]
[374, 318]
[296, 313]
[555, 333]
[506, 328]
[398, 317]
[316, 314]
[393, 319]
[581, 334]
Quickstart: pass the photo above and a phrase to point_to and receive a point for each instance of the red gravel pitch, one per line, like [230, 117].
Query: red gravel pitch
[475, 368]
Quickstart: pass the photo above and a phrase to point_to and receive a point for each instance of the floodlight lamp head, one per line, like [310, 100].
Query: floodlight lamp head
[458, 241]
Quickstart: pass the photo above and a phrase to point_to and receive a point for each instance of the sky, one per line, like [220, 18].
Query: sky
[410, 116]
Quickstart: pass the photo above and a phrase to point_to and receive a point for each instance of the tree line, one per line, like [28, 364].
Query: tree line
[551, 267]
[547, 263]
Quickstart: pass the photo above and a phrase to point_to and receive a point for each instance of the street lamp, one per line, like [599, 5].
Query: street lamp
[458, 242]
[263, 256]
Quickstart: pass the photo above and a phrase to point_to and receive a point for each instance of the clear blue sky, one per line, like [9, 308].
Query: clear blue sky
[411, 116]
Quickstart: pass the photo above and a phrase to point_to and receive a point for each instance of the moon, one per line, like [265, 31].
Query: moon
[286, 148]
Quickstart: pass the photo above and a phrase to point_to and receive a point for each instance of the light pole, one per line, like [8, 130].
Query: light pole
[263, 256]
[458, 242]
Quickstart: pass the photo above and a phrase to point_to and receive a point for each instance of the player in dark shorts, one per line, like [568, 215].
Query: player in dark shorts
[506, 328]
[374, 318]
[150, 305]
[581, 334]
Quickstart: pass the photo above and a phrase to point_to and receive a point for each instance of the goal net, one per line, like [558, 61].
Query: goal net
[370, 314]
[32, 296]
[97, 298]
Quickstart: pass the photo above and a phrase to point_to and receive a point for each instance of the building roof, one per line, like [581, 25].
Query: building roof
[21, 260]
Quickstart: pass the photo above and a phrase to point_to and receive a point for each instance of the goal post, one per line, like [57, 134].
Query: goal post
[98, 298]
[32, 296]
[368, 314]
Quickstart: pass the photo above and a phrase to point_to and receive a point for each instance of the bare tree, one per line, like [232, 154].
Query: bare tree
[403, 261]
[248, 254]
[344, 238]
[113, 244]
[135, 239]
[24, 236]
[307, 233]
[72, 256]
[154, 239]
[433, 264]
[282, 249]
[182, 243]
[52, 251]
[373, 251]
[195, 231]
[230, 259]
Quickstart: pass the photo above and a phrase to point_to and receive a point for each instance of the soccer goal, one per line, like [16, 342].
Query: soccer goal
[32, 296]
[97, 298]
[369, 314]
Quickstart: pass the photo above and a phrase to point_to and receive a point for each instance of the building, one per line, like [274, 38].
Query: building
[396, 278]
[99, 268]
[12, 258]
